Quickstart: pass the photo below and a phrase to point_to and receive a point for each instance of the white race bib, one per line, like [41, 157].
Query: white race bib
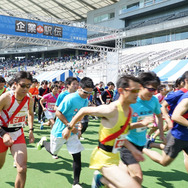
[51, 106]
[119, 142]
[18, 121]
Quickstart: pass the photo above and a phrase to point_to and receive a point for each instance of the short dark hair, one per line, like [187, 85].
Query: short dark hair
[44, 82]
[56, 82]
[178, 82]
[123, 81]
[23, 75]
[184, 76]
[160, 88]
[110, 84]
[35, 80]
[53, 86]
[2, 80]
[86, 82]
[149, 78]
[69, 80]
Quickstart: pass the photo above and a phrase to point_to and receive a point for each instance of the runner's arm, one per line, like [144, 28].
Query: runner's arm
[61, 117]
[105, 111]
[41, 102]
[4, 100]
[100, 97]
[165, 113]
[160, 126]
[30, 120]
[179, 111]
[144, 123]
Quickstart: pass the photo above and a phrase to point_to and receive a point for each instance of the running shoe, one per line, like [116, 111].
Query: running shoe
[147, 145]
[152, 139]
[54, 156]
[14, 164]
[40, 143]
[42, 126]
[81, 138]
[96, 183]
[77, 186]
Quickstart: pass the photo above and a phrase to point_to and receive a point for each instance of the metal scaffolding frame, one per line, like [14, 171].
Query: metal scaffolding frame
[52, 43]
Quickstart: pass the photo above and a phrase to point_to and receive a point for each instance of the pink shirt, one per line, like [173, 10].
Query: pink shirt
[50, 101]
[160, 97]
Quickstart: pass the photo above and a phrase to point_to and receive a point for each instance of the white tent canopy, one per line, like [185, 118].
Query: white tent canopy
[171, 70]
[59, 75]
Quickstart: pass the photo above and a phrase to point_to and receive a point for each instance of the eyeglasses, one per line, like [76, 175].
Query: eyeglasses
[86, 92]
[151, 89]
[132, 90]
[25, 86]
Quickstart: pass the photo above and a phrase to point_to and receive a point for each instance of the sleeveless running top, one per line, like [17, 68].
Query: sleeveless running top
[20, 117]
[100, 157]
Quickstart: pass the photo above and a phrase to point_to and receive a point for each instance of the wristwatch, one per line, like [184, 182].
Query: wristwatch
[32, 129]
[69, 127]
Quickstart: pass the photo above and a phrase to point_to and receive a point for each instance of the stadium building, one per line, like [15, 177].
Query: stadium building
[146, 32]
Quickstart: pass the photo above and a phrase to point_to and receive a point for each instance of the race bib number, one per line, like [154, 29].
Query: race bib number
[119, 142]
[51, 106]
[98, 95]
[17, 122]
[108, 101]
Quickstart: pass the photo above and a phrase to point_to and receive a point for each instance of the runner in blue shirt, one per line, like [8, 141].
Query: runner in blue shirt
[70, 105]
[170, 101]
[145, 107]
[71, 85]
[177, 138]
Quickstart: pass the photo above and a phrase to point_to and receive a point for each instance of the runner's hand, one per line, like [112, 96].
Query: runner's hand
[44, 109]
[74, 130]
[66, 133]
[7, 140]
[147, 120]
[31, 137]
[138, 155]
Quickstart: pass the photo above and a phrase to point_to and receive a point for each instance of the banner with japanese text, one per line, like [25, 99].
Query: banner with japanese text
[42, 30]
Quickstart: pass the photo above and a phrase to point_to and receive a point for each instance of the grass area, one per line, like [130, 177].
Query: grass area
[45, 172]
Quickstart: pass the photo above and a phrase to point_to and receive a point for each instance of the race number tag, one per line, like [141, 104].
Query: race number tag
[18, 121]
[108, 101]
[119, 142]
[51, 106]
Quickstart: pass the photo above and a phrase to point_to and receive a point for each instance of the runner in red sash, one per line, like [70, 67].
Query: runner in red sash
[14, 106]
[107, 95]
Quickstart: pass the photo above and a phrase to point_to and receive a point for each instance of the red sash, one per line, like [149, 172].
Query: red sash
[109, 93]
[45, 92]
[15, 112]
[98, 90]
[118, 133]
